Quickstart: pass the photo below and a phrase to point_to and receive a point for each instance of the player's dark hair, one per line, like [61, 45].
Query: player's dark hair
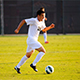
[39, 12]
[42, 8]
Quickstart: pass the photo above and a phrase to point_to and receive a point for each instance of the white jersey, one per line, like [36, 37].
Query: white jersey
[35, 27]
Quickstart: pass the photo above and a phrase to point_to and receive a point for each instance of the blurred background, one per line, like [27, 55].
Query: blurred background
[64, 13]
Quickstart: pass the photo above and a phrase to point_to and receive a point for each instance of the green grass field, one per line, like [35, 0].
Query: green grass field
[62, 52]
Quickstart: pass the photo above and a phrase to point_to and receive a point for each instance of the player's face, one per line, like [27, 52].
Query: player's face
[41, 17]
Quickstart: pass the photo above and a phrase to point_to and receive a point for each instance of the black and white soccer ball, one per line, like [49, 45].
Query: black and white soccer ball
[49, 69]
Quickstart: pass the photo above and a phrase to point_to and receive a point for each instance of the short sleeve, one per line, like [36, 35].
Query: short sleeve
[29, 21]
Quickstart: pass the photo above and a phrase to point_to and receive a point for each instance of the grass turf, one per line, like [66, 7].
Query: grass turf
[62, 52]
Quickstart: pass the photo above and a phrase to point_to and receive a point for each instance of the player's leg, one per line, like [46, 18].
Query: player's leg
[45, 37]
[17, 68]
[41, 51]
[23, 60]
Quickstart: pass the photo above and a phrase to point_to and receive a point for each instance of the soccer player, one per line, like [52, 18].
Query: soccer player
[35, 26]
[44, 33]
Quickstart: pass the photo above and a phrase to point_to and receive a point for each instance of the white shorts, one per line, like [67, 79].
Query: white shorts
[32, 45]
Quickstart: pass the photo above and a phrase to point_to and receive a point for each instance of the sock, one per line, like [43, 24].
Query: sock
[45, 37]
[38, 57]
[23, 60]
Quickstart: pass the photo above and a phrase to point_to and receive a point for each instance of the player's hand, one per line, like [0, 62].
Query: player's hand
[16, 31]
[52, 25]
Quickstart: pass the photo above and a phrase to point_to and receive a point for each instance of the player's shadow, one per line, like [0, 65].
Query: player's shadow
[36, 74]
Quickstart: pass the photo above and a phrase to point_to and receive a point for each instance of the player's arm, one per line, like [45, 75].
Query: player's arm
[45, 19]
[49, 27]
[19, 26]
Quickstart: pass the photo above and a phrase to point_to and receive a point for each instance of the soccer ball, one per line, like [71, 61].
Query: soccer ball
[49, 69]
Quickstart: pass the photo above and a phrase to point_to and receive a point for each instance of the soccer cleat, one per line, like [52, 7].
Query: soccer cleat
[17, 69]
[34, 68]
[46, 42]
